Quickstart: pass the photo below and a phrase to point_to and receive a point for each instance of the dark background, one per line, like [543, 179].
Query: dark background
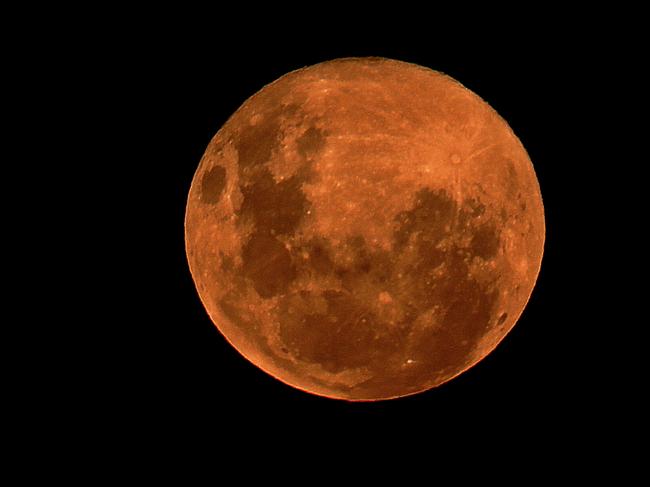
[120, 365]
[172, 373]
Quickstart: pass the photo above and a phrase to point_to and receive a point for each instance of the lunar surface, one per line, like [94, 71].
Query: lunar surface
[364, 229]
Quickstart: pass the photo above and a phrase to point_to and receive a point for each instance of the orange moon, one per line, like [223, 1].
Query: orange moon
[364, 229]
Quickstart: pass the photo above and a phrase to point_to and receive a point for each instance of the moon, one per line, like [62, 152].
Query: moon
[364, 229]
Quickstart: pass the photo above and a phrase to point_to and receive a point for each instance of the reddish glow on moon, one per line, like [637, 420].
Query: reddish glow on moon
[365, 229]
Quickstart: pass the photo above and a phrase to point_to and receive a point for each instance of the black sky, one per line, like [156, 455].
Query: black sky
[174, 371]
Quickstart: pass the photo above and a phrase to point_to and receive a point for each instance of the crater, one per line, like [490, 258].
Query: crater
[213, 184]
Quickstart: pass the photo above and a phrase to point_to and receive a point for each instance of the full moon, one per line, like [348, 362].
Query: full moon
[364, 229]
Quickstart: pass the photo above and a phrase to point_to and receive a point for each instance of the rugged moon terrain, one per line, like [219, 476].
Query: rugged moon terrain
[364, 229]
